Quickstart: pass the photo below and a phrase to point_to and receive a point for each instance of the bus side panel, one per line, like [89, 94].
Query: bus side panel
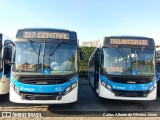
[91, 78]
[92, 70]
[5, 79]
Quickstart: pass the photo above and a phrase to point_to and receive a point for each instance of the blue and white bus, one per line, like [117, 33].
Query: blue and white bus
[44, 66]
[158, 69]
[123, 67]
[5, 68]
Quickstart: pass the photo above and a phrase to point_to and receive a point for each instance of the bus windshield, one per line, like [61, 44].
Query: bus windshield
[36, 58]
[128, 61]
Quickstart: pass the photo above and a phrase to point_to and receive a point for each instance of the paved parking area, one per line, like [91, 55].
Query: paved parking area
[88, 104]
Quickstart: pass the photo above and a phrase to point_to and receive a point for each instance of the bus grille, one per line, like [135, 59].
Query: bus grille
[131, 80]
[131, 93]
[42, 81]
[29, 96]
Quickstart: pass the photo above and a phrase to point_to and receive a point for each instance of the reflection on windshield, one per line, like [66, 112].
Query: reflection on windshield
[63, 61]
[126, 61]
[26, 59]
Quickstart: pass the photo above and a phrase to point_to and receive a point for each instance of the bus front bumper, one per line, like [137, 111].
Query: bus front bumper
[67, 98]
[105, 93]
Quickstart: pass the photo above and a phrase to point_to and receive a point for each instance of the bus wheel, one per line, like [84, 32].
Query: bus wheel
[158, 88]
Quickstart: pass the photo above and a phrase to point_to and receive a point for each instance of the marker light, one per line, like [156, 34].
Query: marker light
[74, 85]
[106, 85]
[16, 90]
[68, 89]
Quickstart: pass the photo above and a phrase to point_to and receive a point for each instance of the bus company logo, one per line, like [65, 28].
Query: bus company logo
[132, 86]
[120, 87]
[41, 88]
[29, 89]
[58, 89]
[131, 82]
[145, 87]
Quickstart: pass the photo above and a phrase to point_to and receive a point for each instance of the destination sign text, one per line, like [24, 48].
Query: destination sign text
[128, 42]
[54, 35]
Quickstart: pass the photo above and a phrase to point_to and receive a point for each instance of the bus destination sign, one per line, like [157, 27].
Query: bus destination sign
[41, 34]
[128, 42]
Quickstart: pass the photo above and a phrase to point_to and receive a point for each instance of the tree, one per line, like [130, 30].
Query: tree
[83, 64]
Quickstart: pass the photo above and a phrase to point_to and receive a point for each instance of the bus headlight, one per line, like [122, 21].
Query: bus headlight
[74, 85]
[152, 88]
[16, 90]
[106, 85]
[68, 89]
[103, 83]
[109, 87]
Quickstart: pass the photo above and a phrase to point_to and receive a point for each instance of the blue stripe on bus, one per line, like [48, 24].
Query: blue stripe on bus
[8, 75]
[43, 88]
[128, 87]
[0, 74]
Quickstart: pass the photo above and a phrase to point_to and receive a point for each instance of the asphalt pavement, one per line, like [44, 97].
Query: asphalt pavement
[88, 103]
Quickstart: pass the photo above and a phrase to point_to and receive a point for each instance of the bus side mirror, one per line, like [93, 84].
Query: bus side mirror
[7, 52]
[81, 54]
[6, 56]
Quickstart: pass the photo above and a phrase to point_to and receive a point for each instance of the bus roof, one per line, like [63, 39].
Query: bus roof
[46, 29]
[127, 36]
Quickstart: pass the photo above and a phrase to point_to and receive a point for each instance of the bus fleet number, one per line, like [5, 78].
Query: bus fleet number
[25, 67]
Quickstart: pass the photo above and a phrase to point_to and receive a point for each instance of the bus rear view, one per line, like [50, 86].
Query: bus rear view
[44, 69]
[125, 68]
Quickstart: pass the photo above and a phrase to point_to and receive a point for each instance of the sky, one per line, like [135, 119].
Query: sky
[91, 19]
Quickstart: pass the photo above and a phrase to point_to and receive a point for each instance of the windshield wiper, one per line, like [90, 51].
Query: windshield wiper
[143, 48]
[117, 48]
[56, 48]
[30, 42]
[136, 58]
[49, 55]
[124, 57]
[59, 45]
[39, 53]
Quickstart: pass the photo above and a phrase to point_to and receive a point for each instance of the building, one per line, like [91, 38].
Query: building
[91, 43]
